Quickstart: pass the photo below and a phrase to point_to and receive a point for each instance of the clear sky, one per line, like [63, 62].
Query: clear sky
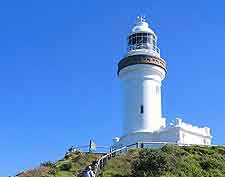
[58, 71]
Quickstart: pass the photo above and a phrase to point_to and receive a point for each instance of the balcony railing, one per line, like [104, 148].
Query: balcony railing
[137, 47]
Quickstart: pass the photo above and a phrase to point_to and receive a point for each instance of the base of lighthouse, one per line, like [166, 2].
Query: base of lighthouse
[178, 133]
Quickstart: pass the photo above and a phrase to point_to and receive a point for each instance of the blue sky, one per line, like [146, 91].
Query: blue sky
[58, 71]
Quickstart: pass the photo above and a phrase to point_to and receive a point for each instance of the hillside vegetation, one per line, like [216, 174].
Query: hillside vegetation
[169, 161]
[69, 166]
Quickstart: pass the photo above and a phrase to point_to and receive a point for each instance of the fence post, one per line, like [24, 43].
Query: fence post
[101, 162]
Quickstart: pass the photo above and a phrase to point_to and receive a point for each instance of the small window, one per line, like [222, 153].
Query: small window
[204, 141]
[157, 90]
[142, 109]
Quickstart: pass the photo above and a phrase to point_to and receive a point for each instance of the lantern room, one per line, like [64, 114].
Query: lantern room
[142, 39]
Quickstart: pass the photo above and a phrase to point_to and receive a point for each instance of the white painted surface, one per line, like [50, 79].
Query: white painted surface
[177, 134]
[142, 87]
[142, 26]
[151, 51]
[190, 134]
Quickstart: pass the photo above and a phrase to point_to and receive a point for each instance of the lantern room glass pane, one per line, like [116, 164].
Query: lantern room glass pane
[134, 40]
[145, 39]
[141, 41]
[130, 40]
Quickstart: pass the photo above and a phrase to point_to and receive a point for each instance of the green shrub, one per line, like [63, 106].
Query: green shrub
[66, 166]
[48, 164]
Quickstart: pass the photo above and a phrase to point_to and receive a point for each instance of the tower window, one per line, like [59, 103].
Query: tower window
[157, 90]
[142, 109]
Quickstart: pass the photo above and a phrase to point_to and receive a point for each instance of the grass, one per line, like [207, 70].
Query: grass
[69, 166]
[169, 161]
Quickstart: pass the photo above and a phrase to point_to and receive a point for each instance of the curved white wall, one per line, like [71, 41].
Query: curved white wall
[142, 87]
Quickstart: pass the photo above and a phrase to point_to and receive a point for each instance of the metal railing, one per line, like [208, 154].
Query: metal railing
[102, 161]
[97, 149]
[142, 46]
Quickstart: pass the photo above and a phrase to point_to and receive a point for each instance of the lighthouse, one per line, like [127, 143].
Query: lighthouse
[141, 72]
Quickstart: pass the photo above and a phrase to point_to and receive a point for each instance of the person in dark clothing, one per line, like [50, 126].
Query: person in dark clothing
[88, 172]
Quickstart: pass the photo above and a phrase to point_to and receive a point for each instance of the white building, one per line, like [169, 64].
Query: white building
[141, 72]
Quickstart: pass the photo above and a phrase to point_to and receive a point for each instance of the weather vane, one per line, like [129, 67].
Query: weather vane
[141, 19]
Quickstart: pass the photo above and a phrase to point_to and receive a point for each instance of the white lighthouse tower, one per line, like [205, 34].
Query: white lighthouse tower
[141, 72]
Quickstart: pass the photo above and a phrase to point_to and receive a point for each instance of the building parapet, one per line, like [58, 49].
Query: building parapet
[204, 131]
